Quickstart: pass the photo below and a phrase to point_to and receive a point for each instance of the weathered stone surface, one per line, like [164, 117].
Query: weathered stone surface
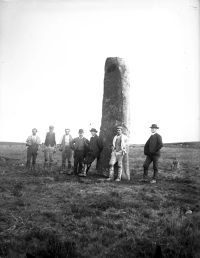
[115, 111]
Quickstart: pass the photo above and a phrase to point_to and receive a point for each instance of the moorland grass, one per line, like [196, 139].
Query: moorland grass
[47, 214]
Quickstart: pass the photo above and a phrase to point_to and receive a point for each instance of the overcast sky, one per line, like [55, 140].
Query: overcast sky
[52, 57]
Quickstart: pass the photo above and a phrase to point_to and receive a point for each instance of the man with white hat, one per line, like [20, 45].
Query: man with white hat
[120, 142]
[152, 152]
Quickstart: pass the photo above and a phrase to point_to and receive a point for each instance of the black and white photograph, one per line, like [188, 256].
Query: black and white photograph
[99, 129]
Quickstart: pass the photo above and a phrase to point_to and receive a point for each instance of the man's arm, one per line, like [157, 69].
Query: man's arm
[72, 143]
[159, 143]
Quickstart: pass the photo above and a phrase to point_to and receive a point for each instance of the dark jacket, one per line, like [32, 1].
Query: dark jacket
[95, 146]
[50, 139]
[153, 145]
[76, 146]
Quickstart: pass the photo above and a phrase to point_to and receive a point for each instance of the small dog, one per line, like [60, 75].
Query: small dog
[175, 164]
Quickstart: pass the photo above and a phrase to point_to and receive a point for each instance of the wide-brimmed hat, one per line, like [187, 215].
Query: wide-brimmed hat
[80, 131]
[154, 126]
[93, 130]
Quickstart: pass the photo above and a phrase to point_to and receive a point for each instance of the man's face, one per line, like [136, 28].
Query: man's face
[67, 131]
[34, 132]
[119, 131]
[80, 135]
[51, 129]
[153, 130]
[93, 133]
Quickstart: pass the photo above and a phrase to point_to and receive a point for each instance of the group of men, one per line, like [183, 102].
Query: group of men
[85, 151]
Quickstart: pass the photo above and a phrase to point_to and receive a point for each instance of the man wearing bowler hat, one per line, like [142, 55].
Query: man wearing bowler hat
[93, 151]
[80, 146]
[152, 152]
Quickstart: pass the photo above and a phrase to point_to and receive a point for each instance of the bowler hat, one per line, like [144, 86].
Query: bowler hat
[154, 126]
[80, 131]
[93, 130]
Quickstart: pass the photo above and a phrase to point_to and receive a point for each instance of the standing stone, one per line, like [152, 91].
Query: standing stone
[115, 111]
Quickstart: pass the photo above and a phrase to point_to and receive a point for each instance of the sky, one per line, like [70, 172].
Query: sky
[52, 58]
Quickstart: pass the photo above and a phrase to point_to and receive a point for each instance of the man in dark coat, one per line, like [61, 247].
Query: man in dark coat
[152, 152]
[94, 149]
[80, 147]
[49, 147]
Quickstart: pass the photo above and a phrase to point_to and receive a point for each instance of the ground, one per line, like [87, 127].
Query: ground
[48, 214]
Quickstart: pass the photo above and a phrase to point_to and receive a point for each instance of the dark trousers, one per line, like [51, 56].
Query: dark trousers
[78, 161]
[66, 154]
[149, 159]
[31, 154]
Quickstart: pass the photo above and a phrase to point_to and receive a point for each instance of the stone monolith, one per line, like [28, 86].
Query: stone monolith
[115, 111]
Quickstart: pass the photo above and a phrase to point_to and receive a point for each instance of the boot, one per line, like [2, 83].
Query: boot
[111, 174]
[119, 174]
[33, 168]
[83, 173]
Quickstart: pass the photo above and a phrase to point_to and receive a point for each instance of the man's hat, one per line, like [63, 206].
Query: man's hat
[80, 131]
[51, 126]
[119, 127]
[67, 129]
[93, 130]
[154, 126]
[34, 129]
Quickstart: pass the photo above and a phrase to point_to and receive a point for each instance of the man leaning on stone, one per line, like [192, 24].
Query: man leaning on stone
[119, 145]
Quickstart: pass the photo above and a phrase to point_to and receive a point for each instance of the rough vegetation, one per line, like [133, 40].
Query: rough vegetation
[48, 214]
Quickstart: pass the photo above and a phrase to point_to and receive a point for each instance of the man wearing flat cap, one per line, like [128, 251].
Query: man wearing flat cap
[94, 149]
[119, 146]
[80, 147]
[152, 152]
[49, 147]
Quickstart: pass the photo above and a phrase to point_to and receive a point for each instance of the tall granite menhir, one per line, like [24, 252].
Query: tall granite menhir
[115, 111]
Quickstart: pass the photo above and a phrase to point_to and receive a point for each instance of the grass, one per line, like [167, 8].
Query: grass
[48, 214]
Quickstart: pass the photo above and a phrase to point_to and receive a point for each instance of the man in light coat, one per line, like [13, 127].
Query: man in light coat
[65, 147]
[119, 145]
[32, 143]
